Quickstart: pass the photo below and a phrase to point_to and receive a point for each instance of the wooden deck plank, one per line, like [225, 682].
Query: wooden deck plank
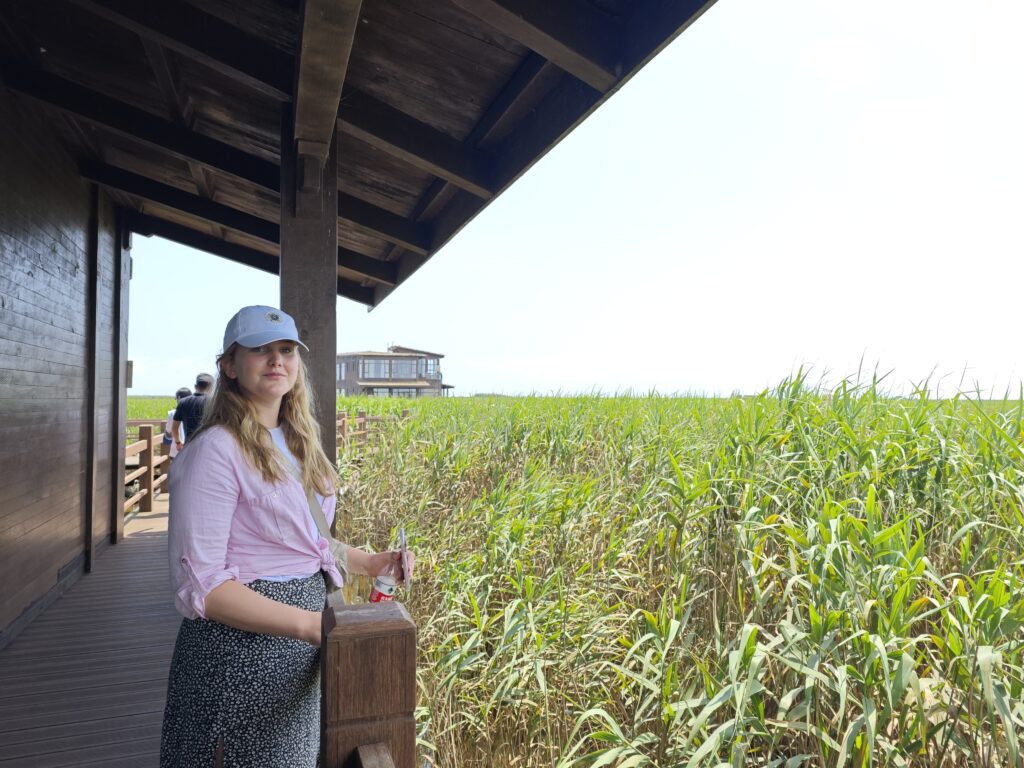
[84, 684]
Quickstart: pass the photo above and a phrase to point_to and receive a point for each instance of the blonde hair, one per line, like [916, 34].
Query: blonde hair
[231, 409]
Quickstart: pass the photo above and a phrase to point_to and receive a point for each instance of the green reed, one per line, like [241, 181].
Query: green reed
[800, 578]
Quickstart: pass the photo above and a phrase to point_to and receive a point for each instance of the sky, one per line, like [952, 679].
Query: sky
[835, 186]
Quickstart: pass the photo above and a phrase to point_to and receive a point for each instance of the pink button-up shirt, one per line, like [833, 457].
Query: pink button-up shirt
[227, 522]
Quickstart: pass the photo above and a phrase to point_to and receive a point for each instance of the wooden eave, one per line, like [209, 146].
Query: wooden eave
[175, 108]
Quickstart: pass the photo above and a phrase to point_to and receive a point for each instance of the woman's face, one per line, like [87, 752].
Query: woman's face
[265, 374]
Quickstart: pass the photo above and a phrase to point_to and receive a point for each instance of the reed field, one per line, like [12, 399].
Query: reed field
[795, 579]
[801, 578]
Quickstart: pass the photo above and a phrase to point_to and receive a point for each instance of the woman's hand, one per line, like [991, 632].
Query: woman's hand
[381, 560]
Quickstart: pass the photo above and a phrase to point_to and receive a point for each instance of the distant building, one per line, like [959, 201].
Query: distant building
[399, 372]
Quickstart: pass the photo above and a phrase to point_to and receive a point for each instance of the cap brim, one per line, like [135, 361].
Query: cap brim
[266, 337]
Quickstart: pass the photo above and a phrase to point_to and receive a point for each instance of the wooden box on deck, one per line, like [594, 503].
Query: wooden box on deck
[368, 683]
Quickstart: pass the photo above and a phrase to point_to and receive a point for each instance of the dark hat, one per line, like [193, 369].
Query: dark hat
[204, 380]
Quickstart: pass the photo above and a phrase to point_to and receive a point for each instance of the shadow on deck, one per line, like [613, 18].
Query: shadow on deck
[85, 683]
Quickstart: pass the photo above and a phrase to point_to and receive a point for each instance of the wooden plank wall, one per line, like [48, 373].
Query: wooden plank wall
[50, 225]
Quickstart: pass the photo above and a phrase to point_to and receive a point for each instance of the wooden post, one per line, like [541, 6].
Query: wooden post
[92, 384]
[122, 276]
[309, 274]
[368, 686]
[360, 427]
[146, 460]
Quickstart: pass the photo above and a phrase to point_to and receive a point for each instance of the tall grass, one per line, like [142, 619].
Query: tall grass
[800, 578]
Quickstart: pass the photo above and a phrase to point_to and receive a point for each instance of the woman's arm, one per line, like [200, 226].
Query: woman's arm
[236, 605]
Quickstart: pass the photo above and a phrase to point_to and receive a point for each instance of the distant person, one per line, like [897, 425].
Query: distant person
[171, 443]
[189, 412]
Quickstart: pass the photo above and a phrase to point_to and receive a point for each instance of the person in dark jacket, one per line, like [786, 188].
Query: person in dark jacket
[190, 409]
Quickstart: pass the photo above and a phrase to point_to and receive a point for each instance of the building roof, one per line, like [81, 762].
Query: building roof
[400, 355]
[397, 383]
[175, 108]
[420, 352]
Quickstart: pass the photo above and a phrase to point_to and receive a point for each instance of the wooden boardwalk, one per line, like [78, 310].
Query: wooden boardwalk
[84, 684]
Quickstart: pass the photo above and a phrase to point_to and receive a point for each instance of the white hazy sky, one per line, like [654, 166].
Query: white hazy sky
[806, 183]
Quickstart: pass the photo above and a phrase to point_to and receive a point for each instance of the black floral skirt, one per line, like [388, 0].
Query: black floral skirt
[242, 700]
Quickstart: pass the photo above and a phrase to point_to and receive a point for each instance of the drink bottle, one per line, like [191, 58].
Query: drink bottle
[385, 584]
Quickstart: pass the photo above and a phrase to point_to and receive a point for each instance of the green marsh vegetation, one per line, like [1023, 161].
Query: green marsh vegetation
[802, 578]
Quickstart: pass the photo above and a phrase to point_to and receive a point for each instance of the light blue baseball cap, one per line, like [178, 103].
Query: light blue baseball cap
[259, 325]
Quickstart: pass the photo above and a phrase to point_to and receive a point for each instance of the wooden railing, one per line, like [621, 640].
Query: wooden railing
[150, 436]
[368, 687]
[360, 430]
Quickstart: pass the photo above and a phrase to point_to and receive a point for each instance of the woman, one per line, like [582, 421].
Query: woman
[247, 563]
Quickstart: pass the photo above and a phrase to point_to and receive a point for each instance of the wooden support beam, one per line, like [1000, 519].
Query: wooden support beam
[573, 34]
[390, 226]
[243, 60]
[118, 372]
[202, 37]
[181, 112]
[187, 145]
[177, 103]
[422, 146]
[379, 271]
[91, 448]
[147, 226]
[172, 197]
[309, 253]
[327, 29]
[119, 118]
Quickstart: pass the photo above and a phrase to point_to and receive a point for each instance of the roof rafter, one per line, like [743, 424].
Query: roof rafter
[327, 30]
[189, 146]
[204, 38]
[402, 136]
[258, 65]
[171, 197]
[146, 225]
[572, 34]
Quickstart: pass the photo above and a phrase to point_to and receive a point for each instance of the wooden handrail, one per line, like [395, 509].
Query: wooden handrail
[359, 430]
[368, 686]
[150, 435]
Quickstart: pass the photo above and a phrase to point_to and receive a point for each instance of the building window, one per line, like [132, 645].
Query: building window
[380, 392]
[374, 369]
[403, 369]
[428, 367]
[404, 392]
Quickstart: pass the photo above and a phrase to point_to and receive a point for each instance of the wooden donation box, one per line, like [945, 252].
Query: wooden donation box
[368, 686]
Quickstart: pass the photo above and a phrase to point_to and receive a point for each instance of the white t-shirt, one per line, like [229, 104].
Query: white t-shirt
[277, 435]
[179, 436]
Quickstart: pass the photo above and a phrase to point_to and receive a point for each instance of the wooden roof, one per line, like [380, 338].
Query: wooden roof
[176, 108]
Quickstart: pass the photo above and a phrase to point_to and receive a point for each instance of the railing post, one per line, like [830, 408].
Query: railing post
[361, 427]
[367, 684]
[146, 460]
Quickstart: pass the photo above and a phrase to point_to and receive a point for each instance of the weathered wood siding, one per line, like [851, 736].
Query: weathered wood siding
[61, 334]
